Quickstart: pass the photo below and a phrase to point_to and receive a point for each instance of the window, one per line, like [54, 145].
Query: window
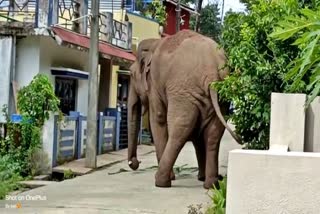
[65, 90]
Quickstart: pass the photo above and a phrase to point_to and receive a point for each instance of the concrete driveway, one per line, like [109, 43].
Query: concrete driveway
[123, 193]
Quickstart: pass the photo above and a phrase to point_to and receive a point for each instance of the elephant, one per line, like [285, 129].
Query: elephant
[171, 79]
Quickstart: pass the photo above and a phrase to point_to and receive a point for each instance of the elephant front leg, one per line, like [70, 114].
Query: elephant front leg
[212, 137]
[158, 124]
[181, 121]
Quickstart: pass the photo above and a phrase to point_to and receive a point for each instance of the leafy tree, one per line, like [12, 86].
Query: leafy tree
[258, 64]
[305, 69]
[210, 22]
[156, 10]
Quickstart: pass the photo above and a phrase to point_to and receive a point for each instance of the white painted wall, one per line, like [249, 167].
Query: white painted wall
[268, 182]
[5, 68]
[37, 54]
[47, 138]
[28, 59]
[53, 55]
[287, 123]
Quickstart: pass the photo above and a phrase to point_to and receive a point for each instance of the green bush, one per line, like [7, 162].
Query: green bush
[9, 175]
[304, 72]
[218, 198]
[22, 145]
[258, 65]
[37, 99]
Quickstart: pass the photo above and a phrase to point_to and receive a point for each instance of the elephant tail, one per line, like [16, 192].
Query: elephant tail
[214, 98]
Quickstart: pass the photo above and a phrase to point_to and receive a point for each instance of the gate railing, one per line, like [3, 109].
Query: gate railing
[70, 136]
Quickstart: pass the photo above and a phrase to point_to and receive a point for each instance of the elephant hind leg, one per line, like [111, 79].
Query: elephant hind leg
[181, 121]
[200, 149]
[212, 137]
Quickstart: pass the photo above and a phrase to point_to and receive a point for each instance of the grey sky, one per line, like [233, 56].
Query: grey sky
[235, 5]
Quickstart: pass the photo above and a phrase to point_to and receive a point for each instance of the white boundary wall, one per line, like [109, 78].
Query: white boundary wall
[268, 182]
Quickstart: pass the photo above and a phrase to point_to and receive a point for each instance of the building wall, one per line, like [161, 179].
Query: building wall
[37, 54]
[104, 85]
[113, 89]
[28, 59]
[143, 28]
[5, 71]
[60, 56]
[170, 28]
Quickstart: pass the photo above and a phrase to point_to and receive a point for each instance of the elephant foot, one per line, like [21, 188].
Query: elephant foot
[133, 163]
[162, 181]
[201, 177]
[172, 176]
[210, 183]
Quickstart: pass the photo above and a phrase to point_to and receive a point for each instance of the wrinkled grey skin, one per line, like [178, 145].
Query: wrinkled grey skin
[171, 79]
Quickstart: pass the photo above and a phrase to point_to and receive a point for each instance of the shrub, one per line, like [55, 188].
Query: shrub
[305, 69]
[37, 99]
[258, 64]
[218, 198]
[20, 151]
[9, 175]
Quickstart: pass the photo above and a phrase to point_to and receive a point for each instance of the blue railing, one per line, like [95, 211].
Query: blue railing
[70, 137]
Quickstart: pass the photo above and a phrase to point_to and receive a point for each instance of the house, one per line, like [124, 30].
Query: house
[142, 28]
[38, 38]
[171, 6]
[185, 15]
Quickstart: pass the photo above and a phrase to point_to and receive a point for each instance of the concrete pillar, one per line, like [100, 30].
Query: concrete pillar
[47, 13]
[312, 133]
[287, 123]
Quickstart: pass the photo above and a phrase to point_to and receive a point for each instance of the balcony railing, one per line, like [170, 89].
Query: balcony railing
[69, 14]
[18, 11]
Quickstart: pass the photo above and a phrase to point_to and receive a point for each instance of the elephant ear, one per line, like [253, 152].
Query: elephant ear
[146, 69]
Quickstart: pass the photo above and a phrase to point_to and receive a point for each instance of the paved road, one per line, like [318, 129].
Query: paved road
[127, 192]
[124, 193]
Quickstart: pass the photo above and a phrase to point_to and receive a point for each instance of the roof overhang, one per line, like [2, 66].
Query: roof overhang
[69, 72]
[184, 7]
[67, 36]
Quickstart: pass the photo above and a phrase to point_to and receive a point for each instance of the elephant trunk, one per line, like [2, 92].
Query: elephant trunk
[134, 115]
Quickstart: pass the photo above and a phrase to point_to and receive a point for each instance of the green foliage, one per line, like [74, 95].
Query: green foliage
[210, 22]
[9, 175]
[68, 174]
[258, 64]
[156, 10]
[304, 75]
[23, 138]
[159, 12]
[218, 198]
[20, 149]
[37, 99]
